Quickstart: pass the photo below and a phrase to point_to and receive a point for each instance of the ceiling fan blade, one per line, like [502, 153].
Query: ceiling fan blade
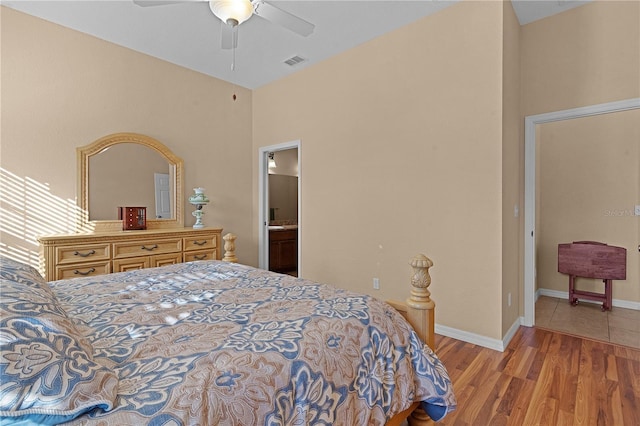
[283, 18]
[228, 36]
[147, 3]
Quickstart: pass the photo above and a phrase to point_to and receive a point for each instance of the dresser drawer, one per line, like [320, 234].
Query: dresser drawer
[200, 243]
[143, 262]
[146, 248]
[82, 253]
[124, 265]
[165, 259]
[83, 270]
[200, 255]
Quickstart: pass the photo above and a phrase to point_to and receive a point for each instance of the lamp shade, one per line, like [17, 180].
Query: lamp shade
[233, 12]
[198, 198]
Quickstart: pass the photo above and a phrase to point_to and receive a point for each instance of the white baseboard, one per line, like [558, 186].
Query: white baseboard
[511, 332]
[627, 304]
[477, 339]
[500, 345]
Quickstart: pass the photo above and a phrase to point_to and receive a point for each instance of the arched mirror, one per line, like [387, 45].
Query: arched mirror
[129, 169]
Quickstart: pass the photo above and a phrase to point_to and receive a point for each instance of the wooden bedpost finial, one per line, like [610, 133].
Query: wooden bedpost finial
[420, 281]
[230, 248]
[421, 315]
[418, 308]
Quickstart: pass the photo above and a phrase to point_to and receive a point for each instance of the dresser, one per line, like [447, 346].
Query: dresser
[77, 255]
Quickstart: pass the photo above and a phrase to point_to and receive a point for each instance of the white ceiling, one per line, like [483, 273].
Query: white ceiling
[188, 34]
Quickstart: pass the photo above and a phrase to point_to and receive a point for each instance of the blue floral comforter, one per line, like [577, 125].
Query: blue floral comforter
[213, 343]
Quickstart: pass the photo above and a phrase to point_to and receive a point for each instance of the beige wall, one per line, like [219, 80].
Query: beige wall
[62, 89]
[286, 162]
[512, 161]
[401, 152]
[585, 56]
[596, 160]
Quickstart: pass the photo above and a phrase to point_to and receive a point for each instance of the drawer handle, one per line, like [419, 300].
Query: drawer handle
[199, 257]
[153, 247]
[90, 271]
[198, 243]
[87, 254]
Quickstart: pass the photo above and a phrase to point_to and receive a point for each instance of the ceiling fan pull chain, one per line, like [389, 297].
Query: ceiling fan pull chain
[234, 43]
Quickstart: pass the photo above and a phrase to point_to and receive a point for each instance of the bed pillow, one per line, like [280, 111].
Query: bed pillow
[27, 275]
[47, 372]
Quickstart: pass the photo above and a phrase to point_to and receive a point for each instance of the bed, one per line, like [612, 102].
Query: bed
[212, 343]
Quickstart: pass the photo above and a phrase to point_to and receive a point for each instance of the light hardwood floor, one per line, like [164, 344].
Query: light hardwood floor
[543, 378]
[621, 326]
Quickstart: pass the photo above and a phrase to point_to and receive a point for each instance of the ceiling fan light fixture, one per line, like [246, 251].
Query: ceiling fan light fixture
[232, 12]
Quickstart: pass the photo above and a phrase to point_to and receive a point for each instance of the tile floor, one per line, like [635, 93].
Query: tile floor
[620, 325]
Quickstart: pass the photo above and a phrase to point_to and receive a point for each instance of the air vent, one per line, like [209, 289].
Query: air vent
[294, 60]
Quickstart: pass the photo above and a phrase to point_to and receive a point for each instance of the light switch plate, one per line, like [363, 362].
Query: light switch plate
[637, 210]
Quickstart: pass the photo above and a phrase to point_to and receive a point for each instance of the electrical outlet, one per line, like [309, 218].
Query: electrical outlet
[376, 284]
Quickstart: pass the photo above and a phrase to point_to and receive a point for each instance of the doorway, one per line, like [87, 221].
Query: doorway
[279, 208]
[530, 247]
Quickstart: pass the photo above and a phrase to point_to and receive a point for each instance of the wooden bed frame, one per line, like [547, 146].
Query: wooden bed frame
[418, 310]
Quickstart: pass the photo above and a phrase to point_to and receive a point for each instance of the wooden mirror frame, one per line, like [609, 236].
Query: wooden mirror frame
[84, 153]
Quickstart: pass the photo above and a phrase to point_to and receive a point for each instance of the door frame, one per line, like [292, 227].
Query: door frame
[530, 123]
[263, 201]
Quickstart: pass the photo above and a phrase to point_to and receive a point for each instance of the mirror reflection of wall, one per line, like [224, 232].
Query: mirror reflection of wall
[283, 188]
[123, 175]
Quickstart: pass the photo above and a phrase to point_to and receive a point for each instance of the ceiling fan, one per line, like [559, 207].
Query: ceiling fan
[235, 12]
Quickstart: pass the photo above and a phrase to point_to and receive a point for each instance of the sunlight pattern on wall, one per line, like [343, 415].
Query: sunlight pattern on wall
[28, 209]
